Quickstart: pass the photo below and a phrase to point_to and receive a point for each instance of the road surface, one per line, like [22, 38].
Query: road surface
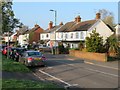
[73, 72]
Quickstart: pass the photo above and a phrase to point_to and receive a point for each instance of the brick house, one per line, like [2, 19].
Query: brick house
[34, 34]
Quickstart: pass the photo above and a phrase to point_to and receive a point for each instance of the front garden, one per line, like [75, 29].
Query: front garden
[97, 49]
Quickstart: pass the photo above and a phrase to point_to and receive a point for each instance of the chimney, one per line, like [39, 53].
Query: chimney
[50, 25]
[98, 16]
[75, 19]
[36, 25]
[78, 19]
[61, 23]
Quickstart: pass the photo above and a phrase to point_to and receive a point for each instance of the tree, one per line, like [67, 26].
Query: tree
[107, 17]
[94, 43]
[9, 22]
[112, 45]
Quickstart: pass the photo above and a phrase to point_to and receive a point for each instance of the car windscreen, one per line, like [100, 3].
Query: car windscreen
[34, 54]
[20, 50]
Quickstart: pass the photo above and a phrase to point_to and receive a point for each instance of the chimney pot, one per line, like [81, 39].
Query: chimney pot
[61, 23]
[50, 25]
[36, 25]
[98, 16]
[75, 19]
[78, 19]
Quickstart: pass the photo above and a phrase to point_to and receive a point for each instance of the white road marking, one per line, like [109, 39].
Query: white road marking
[101, 65]
[94, 70]
[38, 77]
[71, 64]
[49, 67]
[70, 59]
[103, 72]
[55, 78]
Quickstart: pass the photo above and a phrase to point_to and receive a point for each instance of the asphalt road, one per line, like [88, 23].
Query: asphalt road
[72, 72]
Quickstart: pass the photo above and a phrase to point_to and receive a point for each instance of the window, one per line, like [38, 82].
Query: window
[42, 36]
[47, 36]
[82, 35]
[77, 35]
[61, 35]
[34, 54]
[66, 36]
[71, 35]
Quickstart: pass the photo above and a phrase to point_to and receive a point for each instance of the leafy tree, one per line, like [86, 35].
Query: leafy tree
[31, 35]
[61, 48]
[94, 43]
[9, 22]
[41, 42]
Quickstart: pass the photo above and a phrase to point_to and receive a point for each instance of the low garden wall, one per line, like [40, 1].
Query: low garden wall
[89, 55]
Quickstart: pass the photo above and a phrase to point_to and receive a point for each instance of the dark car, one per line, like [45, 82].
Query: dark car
[16, 53]
[32, 58]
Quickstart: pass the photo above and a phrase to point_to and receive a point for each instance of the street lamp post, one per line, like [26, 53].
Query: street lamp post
[55, 30]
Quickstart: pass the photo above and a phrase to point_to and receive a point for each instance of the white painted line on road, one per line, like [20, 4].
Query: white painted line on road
[94, 70]
[88, 62]
[102, 72]
[71, 64]
[55, 78]
[38, 77]
[100, 65]
[70, 59]
[49, 67]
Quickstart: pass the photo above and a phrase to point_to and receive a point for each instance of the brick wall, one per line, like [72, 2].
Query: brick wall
[89, 55]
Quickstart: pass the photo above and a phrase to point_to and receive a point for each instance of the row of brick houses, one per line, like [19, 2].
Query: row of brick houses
[69, 33]
[24, 36]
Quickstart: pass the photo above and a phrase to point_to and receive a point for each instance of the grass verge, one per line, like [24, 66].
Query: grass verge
[13, 66]
[27, 84]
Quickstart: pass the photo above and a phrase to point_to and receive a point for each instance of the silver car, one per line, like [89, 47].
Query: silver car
[32, 58]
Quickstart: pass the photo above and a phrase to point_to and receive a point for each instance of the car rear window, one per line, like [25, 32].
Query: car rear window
[34, 54]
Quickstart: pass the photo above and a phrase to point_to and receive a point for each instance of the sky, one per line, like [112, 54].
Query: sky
[31, 13]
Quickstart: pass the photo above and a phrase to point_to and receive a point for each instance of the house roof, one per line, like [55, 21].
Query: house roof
[66, 26]
[33, 29]
[36, 27]
[82, 26]
[53, 29]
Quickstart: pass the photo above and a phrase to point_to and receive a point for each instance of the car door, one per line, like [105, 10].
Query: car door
[22, 57]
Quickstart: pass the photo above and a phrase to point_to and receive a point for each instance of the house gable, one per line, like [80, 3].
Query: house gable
[100, 28]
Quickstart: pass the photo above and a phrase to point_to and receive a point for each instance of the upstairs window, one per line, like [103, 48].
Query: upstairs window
[77, 35]
[71, 35]
[66, 36]
[42, 36]
[82, 35]
[47, 36]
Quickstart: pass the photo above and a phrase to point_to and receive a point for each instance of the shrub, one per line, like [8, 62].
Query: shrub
[94, 43]
[81, 45]
[112, 45]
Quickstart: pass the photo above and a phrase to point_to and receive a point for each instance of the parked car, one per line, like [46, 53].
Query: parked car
[5, 50]
[16, 53]
[2, 47]
[32, 58]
